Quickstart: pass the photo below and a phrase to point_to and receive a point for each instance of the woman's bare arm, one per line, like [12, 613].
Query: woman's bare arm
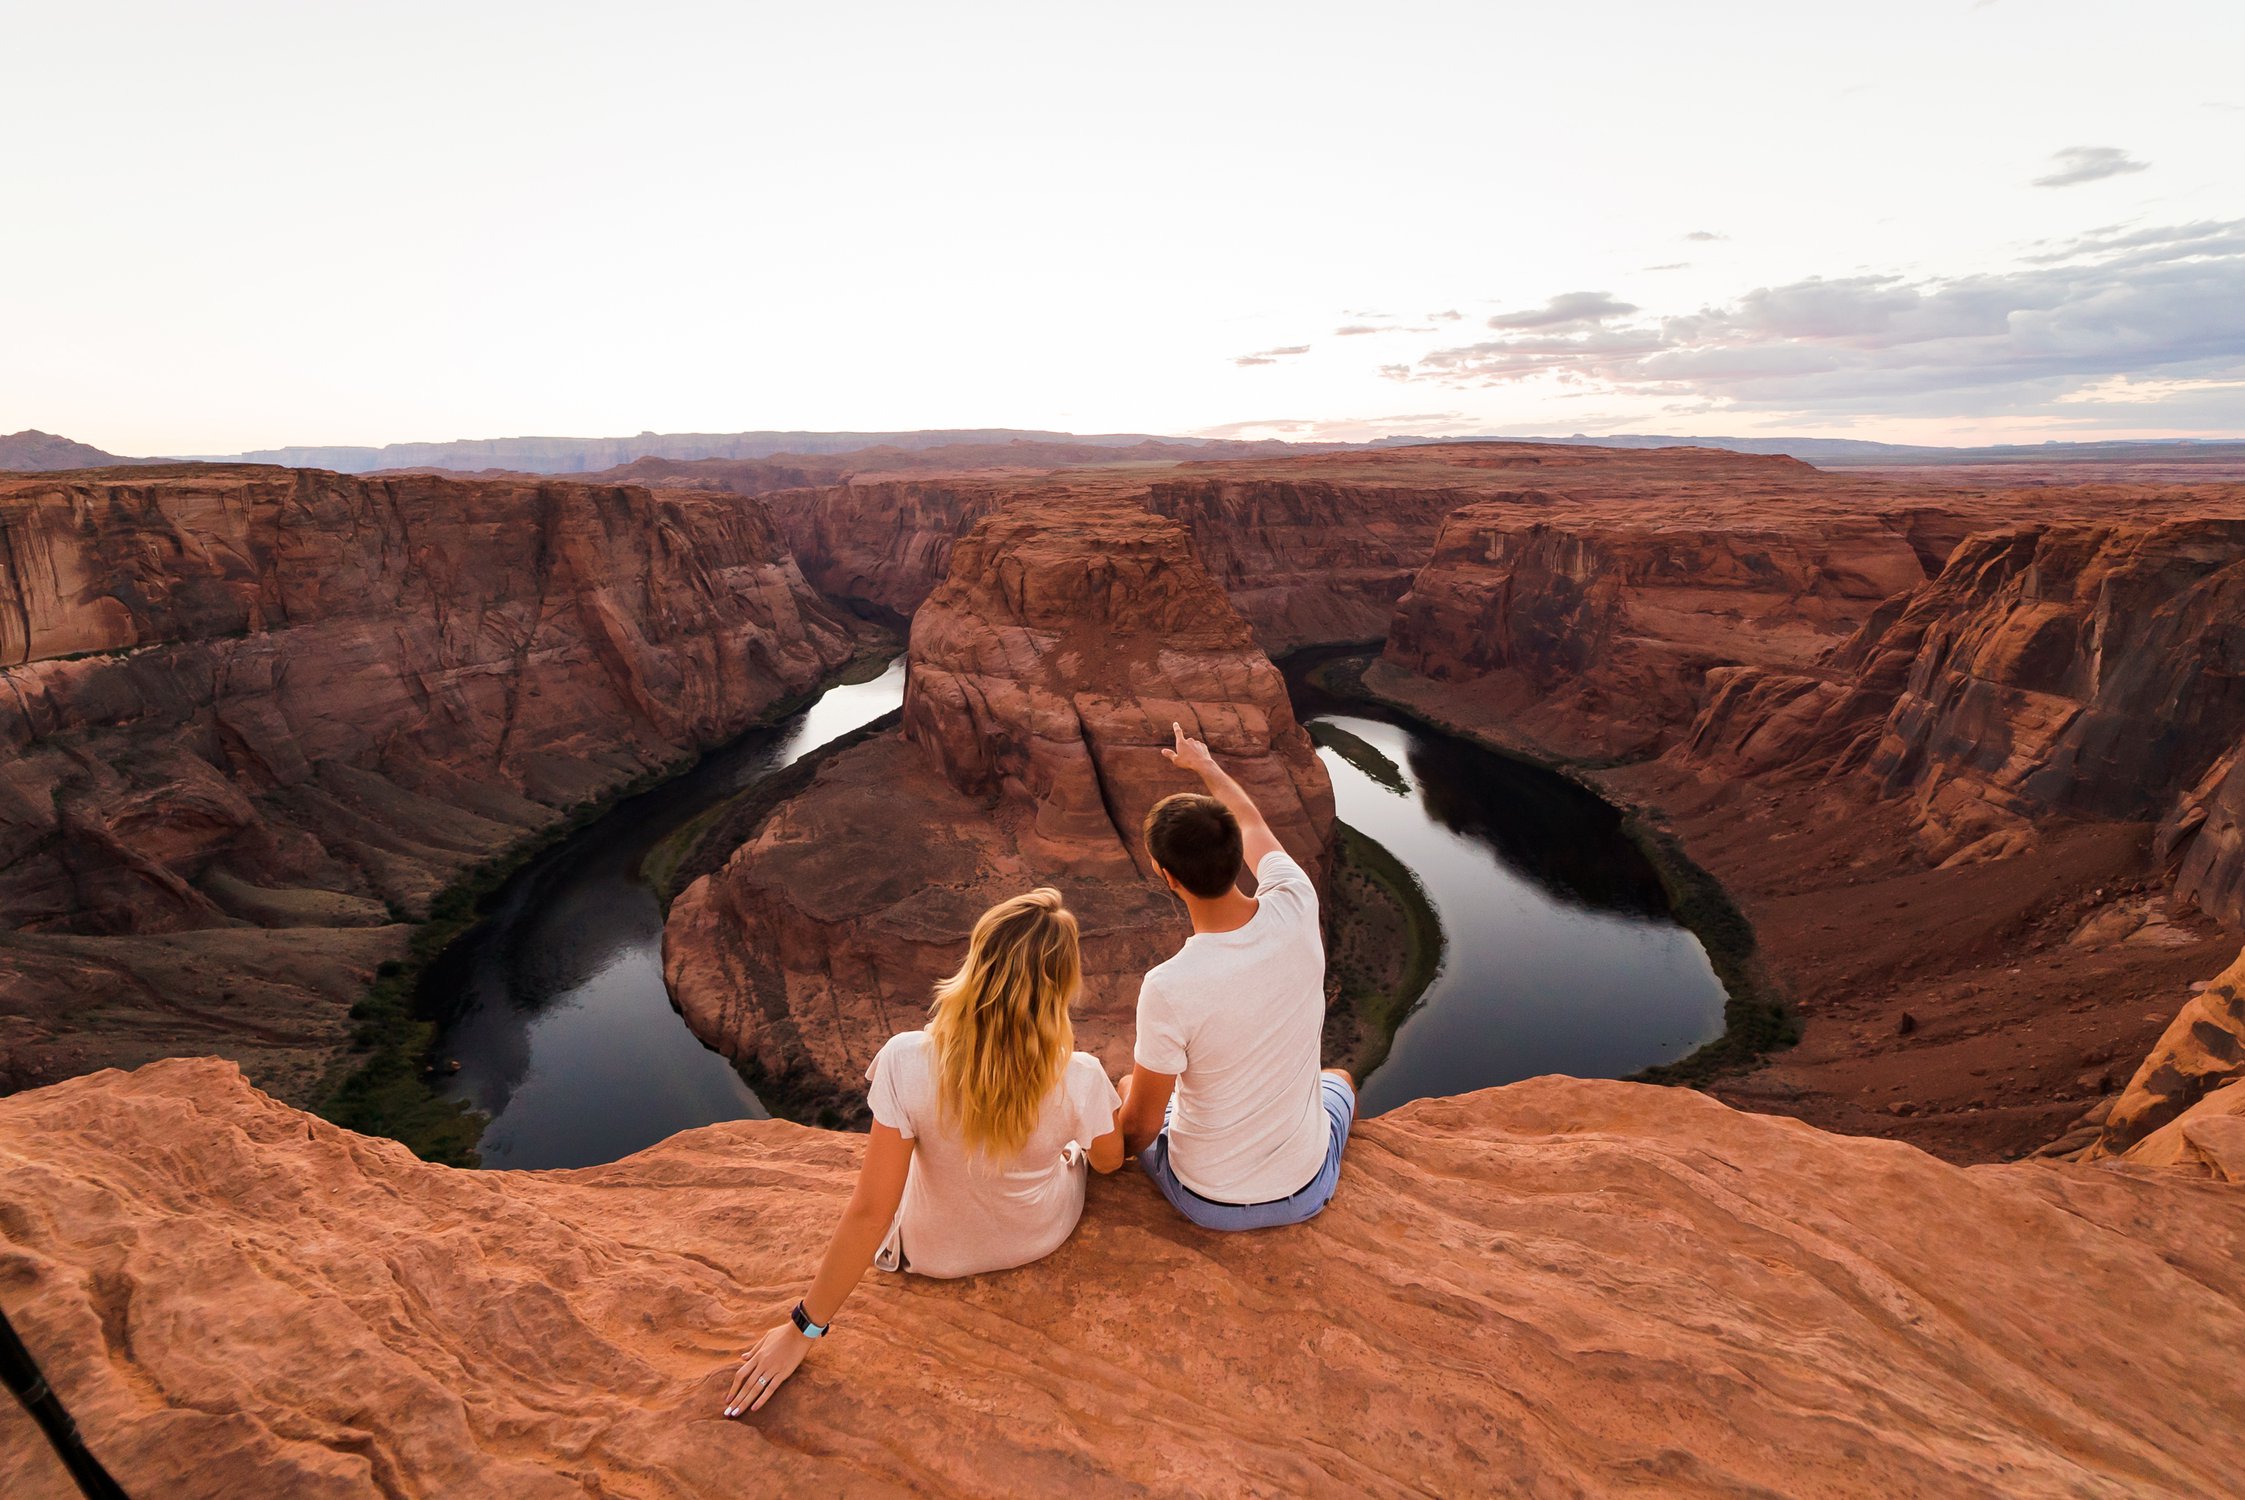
[766, 1365]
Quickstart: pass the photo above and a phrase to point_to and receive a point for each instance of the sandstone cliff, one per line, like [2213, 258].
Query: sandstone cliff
[1560, 1287]
[1044, 676]
[1596, 606]
[1310, 561]
[254, 717]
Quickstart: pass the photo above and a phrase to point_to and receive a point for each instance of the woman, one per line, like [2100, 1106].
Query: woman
[976, 1162]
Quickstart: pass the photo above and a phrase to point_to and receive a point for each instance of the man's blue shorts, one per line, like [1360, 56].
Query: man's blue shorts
[1340, 1108]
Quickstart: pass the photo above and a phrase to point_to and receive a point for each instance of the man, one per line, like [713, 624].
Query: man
[1226, 1107]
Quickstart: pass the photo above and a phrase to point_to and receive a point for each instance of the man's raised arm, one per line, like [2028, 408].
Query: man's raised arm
[1255, 836]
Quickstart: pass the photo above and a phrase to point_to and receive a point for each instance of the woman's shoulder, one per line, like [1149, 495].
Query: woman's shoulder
[1085, 1068]
[905, 1048]
[905, 1044]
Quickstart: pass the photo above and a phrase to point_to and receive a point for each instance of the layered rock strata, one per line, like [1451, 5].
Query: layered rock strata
[1561, 1287]
[1599, 627]
[276, 710]
[1044, 676]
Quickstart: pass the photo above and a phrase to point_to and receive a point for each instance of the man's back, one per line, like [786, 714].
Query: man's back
[1238, 1016]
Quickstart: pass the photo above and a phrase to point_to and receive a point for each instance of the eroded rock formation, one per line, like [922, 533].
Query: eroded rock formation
[1560, 1287]
[1044, 677]
[2201, 1052]
[1595, 606]
[241, 702]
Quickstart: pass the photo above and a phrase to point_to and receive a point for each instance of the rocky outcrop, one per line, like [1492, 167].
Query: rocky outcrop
[2207, 1138]
[1055, 660]
[244, 701]
[2202, 1051]
[2047, 670]
[2092, 670]
[1561, 1287]
[2203, 839]
[1044, 677]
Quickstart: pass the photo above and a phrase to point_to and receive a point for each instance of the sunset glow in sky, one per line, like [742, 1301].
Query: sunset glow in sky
[237, 226]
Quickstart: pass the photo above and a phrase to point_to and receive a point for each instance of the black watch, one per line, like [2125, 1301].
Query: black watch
[804, 1325]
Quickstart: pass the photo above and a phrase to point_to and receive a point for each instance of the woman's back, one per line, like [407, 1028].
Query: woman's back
[963, 1213]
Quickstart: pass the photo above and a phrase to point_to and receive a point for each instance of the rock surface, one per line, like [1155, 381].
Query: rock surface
[1560, 1287]
[243, 702]
[1043, 679]
[2201, 1051]
[2209, 1138]
[1593, 601]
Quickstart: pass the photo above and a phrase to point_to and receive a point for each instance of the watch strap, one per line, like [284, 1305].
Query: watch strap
[804, 1325]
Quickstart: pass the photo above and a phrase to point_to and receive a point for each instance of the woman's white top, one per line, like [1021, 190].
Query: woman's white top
[963, 1213]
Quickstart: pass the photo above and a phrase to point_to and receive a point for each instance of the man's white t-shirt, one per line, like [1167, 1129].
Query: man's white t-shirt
[1238, 1017]
[962, 1214]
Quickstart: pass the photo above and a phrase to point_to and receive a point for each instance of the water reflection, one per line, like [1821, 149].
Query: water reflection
[1561, 955]
[555, 1005]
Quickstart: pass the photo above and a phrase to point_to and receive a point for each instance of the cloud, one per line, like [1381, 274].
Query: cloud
[1448, 315]
[1271, 356]
[2162, 308]
[1353, 329]
[1567, 310]
[1705, 234]
[2079, 164]
[1673, 265]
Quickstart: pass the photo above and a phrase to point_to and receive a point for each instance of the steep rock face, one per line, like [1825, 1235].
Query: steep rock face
[1561, 1287]
[2097, 671]
[882, 544]
[1604, 632]
[2091, 670]
[242, 699]
[2203, 837]
[1054, 660]
[1044, 676]
[2202, 1051]
[1309, 561]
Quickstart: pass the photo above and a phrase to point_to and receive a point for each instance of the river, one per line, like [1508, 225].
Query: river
[1560, 953]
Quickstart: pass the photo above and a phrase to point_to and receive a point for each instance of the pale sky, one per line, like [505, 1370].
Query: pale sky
[233, 226]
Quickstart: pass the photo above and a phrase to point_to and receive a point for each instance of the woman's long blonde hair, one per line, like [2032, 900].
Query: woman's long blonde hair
[1000, 1024]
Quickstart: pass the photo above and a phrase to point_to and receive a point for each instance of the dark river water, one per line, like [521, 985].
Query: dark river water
[1559, 957]
[1559, 952]
[555, 1002]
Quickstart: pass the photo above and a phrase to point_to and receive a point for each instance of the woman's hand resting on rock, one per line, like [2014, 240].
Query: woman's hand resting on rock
[765, 1368]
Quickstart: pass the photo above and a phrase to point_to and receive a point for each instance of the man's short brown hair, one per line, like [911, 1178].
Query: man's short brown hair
[1196, 839]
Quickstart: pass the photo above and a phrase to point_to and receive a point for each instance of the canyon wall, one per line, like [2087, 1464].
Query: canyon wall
[252, 715]
[882, 545]
[1044, 676]
[1604, 631]
[1309, 561]
[1560, 1287]
[2092, 671]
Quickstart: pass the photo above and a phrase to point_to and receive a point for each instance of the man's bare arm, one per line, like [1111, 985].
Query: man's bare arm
[1255, 836]
[1145, 1101]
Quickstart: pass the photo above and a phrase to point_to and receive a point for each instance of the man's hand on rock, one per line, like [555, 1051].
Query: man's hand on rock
[1189, 754]
[765, 1368]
